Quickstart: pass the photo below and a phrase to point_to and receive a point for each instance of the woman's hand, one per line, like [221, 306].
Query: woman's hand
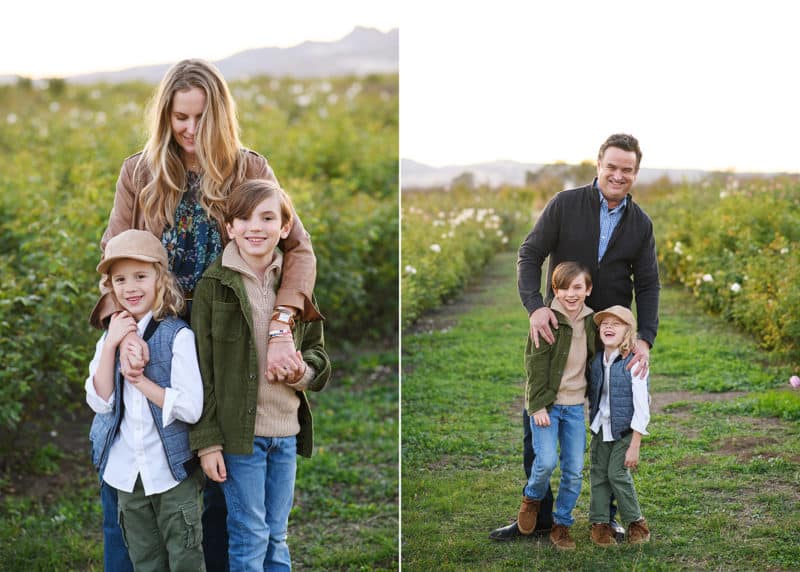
[133, 356]
[285, 364]
[541, 418]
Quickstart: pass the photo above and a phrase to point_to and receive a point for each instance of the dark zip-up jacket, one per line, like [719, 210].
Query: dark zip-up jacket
[569, 229]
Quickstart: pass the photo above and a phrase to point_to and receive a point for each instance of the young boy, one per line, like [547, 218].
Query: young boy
[140, 436]
[251, 431]
[554, 395]
[619, 412]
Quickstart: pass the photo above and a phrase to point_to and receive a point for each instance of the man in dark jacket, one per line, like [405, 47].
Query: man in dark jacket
[599, 226]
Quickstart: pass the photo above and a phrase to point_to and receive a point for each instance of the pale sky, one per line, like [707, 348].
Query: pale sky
[706, 85]
[41, 38]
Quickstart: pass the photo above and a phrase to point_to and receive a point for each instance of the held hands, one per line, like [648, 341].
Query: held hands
[285, 364]
[213, 465]
[541, 418]
[133, 356]
[541, 320]
[121, 325]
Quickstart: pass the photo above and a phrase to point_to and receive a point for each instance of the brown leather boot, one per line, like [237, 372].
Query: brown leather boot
[528, 512]
[603, 534]
[638, 532]
[560, 537]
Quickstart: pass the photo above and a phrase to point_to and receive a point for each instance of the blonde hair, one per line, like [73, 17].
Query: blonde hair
[169, 299]
[218, 149]
[628, 340]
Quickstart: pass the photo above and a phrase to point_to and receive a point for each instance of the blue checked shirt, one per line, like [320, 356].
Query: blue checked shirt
[609, 219]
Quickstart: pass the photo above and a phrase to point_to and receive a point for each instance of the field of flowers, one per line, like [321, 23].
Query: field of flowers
[448, 235]
[332, 143]
[735, 244]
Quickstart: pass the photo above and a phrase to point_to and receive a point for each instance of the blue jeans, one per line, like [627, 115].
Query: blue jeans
[567, 429]
[115, 553]
[259, 492]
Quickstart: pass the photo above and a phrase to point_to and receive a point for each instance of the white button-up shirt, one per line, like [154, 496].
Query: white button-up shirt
[641, 404]
[137, 448]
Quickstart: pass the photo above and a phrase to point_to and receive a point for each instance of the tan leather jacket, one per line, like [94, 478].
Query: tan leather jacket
[299, 262]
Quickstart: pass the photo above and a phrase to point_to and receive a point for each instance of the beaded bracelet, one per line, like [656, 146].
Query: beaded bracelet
[280, 333]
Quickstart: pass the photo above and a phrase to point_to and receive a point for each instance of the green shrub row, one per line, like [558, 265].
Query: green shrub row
[736, 245]
[332, 143]
[449, 235]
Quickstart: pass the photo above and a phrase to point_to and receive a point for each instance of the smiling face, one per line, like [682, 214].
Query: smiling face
[185, 114]
[134, 285]
[258, 235]
[616, 173]
[613, 332]
[573, 297]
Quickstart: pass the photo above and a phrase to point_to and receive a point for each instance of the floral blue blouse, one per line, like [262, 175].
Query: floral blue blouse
[194, 241]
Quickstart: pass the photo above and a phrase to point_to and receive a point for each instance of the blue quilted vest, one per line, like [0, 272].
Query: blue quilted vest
[620, 393]
[160, 337]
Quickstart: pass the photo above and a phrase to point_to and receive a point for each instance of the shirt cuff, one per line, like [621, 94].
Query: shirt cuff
[97, 403]
[167, 411]
[208, 450]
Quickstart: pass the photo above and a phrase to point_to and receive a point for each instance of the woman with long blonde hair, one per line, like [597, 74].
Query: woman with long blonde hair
[176, 188]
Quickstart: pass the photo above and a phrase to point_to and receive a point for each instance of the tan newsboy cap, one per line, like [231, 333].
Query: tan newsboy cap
[620, 312]
[135, 244]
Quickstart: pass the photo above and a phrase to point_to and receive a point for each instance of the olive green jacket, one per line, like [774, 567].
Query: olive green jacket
[545, 366]
[222, 321]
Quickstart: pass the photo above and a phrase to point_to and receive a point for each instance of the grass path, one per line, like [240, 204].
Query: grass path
[720, 489]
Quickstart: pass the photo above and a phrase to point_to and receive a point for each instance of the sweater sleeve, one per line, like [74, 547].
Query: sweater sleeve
[647, 286]
[539, 243]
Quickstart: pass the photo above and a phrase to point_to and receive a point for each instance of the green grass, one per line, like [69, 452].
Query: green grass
[345, 515]
[720, 488]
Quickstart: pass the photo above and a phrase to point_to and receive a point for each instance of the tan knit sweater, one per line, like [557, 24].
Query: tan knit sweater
[572, 390]
[276, 410]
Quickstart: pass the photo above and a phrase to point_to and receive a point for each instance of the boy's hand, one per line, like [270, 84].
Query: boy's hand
[632, 456]
[213, 465]
[121, 325]
[541, 418]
